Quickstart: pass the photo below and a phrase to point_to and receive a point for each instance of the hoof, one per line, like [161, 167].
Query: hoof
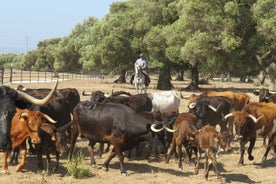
[19, 168]
[6, 171]
[104, 168]
[250, 157]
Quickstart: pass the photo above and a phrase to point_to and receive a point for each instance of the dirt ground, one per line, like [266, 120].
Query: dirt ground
[152, 171]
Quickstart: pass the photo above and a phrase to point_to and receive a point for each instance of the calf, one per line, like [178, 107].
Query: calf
[53, 140]
[185, 125]
[25, 124]
[209, 141]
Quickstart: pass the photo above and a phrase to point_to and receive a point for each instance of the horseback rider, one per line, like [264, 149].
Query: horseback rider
[143, 63]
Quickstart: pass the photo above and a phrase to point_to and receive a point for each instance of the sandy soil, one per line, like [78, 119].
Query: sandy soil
[152, 171]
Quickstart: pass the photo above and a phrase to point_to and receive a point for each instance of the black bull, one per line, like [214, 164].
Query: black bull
[110, 123]
[211, 110]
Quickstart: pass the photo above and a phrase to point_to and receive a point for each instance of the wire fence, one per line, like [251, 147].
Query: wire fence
[12, 76]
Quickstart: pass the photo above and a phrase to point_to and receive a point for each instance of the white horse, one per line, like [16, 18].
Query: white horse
[139, 80]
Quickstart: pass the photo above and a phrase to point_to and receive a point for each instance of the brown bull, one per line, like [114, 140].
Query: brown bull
[185, 125]
[238, 99]
[25, 124]
[253, 120]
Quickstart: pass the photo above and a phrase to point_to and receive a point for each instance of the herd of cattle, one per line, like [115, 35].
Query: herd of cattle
[51, 120]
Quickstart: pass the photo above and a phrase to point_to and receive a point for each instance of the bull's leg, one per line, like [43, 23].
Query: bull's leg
[198, 157]
[74, 136]
[180, 155]
[170, 152]
[242, 149]
[207, 167]
[107, 148]
[48, 160]
[212, 162]
[5, 163]
[39, 153]
[23, 159]
[106, 163]
[14, 156]
[32, 150]
[269, 146]
[100, 150]
[120, 156]
[250, 148]
[91, 153]
[57, 162]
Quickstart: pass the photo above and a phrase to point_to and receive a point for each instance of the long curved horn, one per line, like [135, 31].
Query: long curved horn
[171, 130]
[272, 92]
[84, 93]
[254, 118]
[212, 108]
[152, 127]
[192, 105]
[228, 115]
[35, 101]
[186, 97]
[49, 118]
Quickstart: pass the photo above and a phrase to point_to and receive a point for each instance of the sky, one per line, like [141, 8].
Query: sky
[26, 22]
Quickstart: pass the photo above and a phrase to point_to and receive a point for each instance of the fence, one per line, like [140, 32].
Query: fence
[10, 75]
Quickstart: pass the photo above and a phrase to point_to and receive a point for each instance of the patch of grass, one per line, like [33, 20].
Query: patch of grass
[75, 168]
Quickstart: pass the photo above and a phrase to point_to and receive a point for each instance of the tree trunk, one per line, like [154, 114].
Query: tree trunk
[180, 75]
[122, 77]
[164, 79]
[194, 78]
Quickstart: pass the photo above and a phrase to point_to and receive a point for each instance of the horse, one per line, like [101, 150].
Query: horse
[139, 80]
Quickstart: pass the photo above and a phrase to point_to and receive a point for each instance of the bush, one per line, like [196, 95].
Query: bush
[75, 169]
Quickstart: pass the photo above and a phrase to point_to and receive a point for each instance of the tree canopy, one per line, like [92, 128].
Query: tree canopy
[200, 37]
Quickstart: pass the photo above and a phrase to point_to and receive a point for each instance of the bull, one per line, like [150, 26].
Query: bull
[110, 123]
[25, 124]
[239, 100]
[138, 102]
[211, 110]
[165, 101]
[185, 125]
[265, 95]
[10, 99]
[255, 119]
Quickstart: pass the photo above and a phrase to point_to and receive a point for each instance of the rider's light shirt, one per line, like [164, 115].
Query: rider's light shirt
[141, 62]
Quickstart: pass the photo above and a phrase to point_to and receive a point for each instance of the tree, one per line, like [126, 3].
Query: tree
[265, 15]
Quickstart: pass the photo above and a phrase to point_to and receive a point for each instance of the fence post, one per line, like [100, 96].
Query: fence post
[2, 75]
[11, 74]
